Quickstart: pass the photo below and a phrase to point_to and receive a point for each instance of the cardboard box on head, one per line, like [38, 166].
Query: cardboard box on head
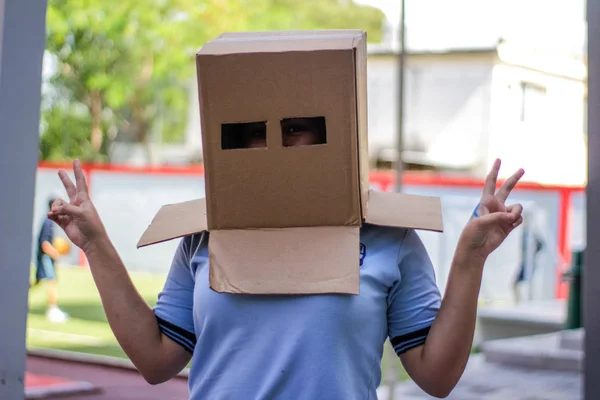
[285, 219]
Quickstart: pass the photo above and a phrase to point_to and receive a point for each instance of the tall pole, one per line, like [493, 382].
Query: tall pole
[401, 62]
[22, 40]
[392, 360]
[591, 260]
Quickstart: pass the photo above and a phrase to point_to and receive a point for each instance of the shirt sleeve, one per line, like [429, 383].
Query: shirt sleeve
[414, 299]
[174, 306]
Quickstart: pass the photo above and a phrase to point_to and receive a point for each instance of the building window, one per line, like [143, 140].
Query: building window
[533, 102]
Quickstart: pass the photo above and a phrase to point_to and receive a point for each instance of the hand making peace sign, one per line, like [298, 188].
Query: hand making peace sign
[78, 218]
[492, 220]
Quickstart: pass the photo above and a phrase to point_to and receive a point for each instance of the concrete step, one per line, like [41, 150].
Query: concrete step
[572, 339]
[553, 351]
[525, 319]
[491, 381]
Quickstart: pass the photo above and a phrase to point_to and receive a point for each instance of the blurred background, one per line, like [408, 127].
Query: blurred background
[480, 79]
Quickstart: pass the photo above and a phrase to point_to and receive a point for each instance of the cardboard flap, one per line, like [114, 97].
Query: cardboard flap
[404, 211]
[174, 221]
[285, 261]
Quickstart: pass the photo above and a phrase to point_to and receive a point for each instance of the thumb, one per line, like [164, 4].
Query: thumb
[498, 218]
[62, 208]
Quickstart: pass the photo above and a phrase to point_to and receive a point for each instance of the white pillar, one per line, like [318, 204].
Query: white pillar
[22, 41]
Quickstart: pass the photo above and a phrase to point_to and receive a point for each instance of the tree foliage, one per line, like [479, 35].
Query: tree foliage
[121, 68]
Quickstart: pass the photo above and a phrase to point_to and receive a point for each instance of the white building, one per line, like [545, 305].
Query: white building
[478, 85]
[465, 107]
[486, 79]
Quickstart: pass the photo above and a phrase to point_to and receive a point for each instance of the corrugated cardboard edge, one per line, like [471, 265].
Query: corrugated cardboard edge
[386, 209]
[331, 39]
[360, 85]
[310, 260]
[405, 211]
[287, 33]
[174, 221]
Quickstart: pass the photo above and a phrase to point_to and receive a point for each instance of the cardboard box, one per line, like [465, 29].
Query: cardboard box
[286, 219]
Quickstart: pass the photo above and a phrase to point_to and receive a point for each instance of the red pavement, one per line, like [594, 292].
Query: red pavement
[113, 383]
[44, 386]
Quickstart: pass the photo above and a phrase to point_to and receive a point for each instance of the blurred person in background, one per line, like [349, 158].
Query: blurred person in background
[532, 244]
[45, 266]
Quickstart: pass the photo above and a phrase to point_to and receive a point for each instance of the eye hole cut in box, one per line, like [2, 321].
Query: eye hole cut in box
[244, 135]
[303, 131]
[294, 132]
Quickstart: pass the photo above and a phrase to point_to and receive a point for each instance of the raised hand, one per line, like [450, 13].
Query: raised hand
[78, 218]
[492, 220]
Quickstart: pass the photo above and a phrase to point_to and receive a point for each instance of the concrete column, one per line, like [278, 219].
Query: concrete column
[591, 274]
[22, 41]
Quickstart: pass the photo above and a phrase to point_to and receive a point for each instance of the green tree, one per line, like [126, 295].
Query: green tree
[313, 14]
[69, 128]
[123, 66]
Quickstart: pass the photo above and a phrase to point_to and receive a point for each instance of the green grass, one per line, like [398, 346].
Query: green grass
[387, 357]
[87, 329]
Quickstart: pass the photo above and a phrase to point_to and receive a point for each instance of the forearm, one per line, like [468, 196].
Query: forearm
[438, 365]
[50, 251]
[131, 319]
[450, 339]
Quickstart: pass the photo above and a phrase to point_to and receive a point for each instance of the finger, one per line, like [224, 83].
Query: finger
[53, 217]
[516, 209]
[519, 222]
[509, 185]
[80, 177]
[57, 203]
[68, 184]
[490, 180]
[61, 220]
[60, 208]
[502, 218]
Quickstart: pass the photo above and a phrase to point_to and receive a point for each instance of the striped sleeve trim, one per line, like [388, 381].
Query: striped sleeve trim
[403, 343]
[179, 335]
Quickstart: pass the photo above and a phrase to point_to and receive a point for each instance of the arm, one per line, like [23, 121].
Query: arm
[133, 322]
[49, 250]
[46, 237]
[450, 338]
[448, 344]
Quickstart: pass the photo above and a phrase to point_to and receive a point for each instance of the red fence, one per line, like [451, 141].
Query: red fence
[385, 180]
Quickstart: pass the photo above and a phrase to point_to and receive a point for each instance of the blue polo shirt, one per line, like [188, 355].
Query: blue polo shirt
[301, 346]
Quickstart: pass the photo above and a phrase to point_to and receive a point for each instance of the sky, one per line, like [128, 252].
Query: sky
[480, 23]
[442, 9]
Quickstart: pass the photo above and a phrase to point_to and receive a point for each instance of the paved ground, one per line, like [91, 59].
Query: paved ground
[481, 381]
[486, 381]
[115, 383]
[45, 386]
